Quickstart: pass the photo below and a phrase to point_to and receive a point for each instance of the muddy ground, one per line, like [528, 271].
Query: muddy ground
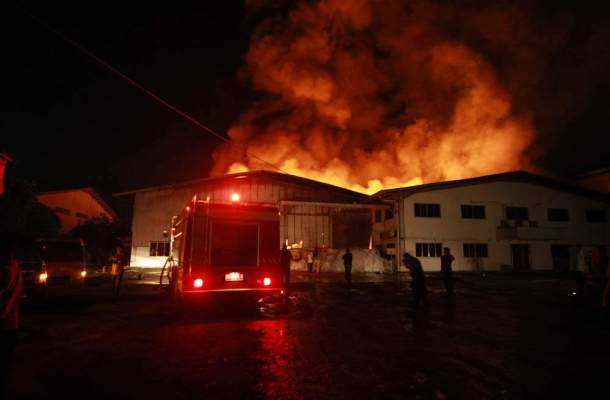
[501, 337]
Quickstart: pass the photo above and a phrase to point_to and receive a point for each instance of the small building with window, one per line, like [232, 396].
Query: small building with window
[515, 220]
[75, 206]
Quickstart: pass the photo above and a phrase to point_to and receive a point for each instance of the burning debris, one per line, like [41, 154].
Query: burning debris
[371, 95]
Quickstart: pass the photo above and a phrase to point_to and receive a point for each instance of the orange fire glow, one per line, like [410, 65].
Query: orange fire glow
[368, 96]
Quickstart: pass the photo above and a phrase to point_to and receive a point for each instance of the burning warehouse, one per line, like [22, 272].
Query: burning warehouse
[514, 220]
[312, 214]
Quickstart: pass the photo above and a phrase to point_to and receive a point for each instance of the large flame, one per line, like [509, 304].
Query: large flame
[372, 95]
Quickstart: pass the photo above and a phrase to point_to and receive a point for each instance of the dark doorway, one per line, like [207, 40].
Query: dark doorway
[351, 228]
[521, 257]
[561, 257]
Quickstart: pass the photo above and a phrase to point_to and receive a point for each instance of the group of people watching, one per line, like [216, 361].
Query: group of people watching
[418, 278]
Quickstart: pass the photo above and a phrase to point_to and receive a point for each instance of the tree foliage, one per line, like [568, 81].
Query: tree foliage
[101, 236]
[21, 215]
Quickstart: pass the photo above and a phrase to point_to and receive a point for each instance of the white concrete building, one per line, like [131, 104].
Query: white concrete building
[513, 220]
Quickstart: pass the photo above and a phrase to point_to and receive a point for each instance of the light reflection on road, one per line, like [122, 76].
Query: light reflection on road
[276, 357]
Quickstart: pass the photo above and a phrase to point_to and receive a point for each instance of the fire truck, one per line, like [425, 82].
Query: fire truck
[224, 247]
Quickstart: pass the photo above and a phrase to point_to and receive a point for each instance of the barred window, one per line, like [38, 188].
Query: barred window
[595, 215]
[428, 249]
[427, 210]
[475, 249]
[557, 214]
[517, 213]
[473, 212]
[159, 249]
[377, 215]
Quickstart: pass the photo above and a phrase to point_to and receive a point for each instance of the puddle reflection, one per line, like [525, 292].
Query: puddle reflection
[276, 357]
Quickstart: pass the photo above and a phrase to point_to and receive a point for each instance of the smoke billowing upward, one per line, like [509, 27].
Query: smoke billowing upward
[374, 94]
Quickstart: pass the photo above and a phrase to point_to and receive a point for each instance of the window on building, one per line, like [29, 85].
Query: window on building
[81, 215]
[475, 250]
[595, 215]
[389, 213]
[377, 215]
[428, 249]
[473, 212]
[62, 210]
[427, 210]
[517, 213]
[159, 249]
[557, 214]
[390, 246]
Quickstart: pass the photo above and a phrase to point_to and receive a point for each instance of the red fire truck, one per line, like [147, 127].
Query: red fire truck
[225, 247]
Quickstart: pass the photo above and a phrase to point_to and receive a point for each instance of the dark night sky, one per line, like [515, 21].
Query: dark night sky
[68, 122]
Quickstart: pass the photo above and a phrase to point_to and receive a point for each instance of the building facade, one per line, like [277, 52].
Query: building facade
[312, 214]
[73, 207]
[510, 221]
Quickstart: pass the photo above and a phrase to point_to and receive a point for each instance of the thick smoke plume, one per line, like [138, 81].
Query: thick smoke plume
[373, 94]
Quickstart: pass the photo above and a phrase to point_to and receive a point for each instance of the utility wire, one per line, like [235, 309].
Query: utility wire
[139, 86]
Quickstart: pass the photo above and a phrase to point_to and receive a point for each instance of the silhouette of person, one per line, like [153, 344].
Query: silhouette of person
[11, 288]
[347, 265]
[446, 271]
[606, 289]
[285, 258]
[309, 262]
[418, 280]
[316, 260]
[118, 268]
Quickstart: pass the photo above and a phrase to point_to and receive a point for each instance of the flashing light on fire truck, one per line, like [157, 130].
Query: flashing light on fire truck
[235, 197]
[198, 283]
[267, 281]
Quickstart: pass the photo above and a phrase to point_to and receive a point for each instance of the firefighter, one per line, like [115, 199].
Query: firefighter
[418, 280]
[11, 288]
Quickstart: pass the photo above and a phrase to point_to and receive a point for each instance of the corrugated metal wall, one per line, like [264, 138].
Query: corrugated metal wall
[310, 225]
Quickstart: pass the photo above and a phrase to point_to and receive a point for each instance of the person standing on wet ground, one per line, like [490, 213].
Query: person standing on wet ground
[347, 265]
[418, 280]
[285, 258]
[446, 271]
[118, 268]
[309, 262]
[11, 288]
[316, 261]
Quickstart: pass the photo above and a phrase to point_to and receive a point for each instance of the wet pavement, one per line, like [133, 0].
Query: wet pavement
[501, 337]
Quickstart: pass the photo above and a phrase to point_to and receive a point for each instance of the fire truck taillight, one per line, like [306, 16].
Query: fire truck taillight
[83, 274]
[267, 281]
[198, 283]
[235, 197]
[42, 278]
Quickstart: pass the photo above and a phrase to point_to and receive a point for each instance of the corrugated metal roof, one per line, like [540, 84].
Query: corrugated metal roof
[513, 176]
[91, 192]
[262, 174]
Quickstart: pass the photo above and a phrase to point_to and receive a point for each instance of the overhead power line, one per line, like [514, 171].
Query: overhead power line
[137, 85]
